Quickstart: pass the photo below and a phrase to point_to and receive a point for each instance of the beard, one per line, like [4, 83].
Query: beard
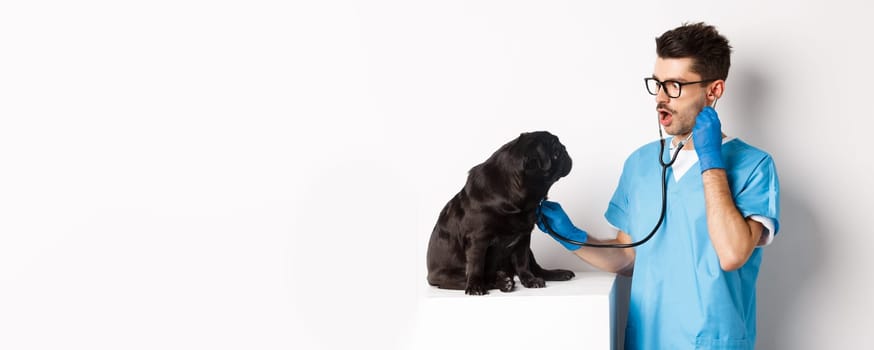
[683, 120]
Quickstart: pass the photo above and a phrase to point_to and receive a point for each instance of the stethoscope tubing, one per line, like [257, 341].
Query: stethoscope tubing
[658, 224]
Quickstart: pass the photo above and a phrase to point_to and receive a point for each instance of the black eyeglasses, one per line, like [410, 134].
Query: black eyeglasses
[672, 87]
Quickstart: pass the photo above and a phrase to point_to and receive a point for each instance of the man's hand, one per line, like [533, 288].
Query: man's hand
[551, 213]
[707, 136]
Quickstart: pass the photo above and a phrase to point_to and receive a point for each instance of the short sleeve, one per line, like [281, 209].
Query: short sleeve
[617, 209]
[761, 194]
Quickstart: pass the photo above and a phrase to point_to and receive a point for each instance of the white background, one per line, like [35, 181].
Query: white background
[265, 175]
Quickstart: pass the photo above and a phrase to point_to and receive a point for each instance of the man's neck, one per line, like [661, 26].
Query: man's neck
[689, 144]
[677, 138]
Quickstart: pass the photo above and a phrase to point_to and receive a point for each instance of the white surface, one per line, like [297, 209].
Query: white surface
[265, 174]
[573, 314]
[584, 284]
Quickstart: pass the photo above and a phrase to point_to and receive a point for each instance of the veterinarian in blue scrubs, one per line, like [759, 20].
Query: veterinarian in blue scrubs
[694, 283]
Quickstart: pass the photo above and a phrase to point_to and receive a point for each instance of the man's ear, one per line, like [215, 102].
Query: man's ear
[715, 90]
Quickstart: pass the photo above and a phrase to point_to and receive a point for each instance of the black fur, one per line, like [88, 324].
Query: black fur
[482, 236]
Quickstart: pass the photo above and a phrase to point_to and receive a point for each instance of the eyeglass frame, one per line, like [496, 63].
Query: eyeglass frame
[660, 85]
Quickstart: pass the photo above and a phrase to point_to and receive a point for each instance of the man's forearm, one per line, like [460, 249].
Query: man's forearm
[731, 234]
[616, 260]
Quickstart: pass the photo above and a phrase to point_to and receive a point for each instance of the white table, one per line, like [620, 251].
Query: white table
[575, 314]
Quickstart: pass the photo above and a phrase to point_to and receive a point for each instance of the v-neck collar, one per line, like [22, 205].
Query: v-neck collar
[686, 159]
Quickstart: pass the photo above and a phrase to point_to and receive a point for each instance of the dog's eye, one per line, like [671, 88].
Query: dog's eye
[555, 155]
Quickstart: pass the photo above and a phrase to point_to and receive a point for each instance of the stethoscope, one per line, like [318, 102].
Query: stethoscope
[665, 166]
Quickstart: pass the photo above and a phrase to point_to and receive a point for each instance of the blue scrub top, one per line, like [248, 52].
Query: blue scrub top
[680, 297]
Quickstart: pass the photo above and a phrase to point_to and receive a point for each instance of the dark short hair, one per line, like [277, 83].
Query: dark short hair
[701, 42]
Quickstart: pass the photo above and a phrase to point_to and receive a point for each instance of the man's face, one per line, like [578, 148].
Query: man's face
[677, 115]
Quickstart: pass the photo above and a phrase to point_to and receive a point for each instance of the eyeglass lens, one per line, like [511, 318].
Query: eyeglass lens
[672, 88]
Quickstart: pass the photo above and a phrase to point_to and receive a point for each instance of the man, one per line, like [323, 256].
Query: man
[694, 283]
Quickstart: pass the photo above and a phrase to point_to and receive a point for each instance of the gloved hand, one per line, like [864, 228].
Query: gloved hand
[558, 221]
[707, 136]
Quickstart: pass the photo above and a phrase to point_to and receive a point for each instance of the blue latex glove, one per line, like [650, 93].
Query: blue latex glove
[552, 213]
[707, 136]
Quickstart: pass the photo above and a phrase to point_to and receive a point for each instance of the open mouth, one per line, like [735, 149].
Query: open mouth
[665, 116]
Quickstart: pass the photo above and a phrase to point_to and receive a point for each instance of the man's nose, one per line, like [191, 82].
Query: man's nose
[662, 96]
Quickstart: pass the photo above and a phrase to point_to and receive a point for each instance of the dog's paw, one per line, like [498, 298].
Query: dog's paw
[476, 289]
[556, 275]
[563, 275]
[534, 282]
[505, 282]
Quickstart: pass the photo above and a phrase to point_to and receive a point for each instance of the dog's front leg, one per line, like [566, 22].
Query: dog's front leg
[522, 263]
[475, 267]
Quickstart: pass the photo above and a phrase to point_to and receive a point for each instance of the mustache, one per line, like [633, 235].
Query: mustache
[662, 105]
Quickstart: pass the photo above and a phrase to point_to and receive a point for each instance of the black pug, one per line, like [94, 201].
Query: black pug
[482, 237]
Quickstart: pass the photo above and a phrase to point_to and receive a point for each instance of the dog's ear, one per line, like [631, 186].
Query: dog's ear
[494, 187]
[532, 163]
[535, 160]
